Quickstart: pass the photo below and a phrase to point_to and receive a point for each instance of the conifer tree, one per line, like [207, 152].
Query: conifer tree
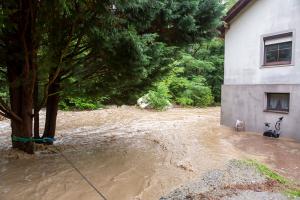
[109, 47]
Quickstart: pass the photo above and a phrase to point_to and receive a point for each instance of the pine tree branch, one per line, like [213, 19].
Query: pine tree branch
[4, 106]
[3, 114]
[46, 87]
[67, 75]
[8, 112]
[2, 109]
[58, 69]
[2, 71]
[52, 94]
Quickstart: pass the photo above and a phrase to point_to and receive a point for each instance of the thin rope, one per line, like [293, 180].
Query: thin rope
[81, 174]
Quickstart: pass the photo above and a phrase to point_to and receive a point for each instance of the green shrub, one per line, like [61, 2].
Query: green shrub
[293, 193]
[79, 103]
[159, 98]
[200, 94]
[191, 92]
[184, 101]
[4, 95]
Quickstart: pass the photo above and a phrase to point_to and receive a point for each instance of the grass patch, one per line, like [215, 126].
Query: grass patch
[292, 191]
[268, 172]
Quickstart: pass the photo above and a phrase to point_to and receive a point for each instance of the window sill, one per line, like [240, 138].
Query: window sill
[277, 111]
[273, 66]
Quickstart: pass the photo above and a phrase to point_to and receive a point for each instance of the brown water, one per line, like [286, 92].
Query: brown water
[129, 153]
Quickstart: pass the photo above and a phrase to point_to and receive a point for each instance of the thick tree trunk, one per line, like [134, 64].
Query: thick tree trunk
[52, 109]
[21, 104]
[21, 70]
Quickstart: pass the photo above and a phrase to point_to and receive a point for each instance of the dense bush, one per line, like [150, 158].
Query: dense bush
[77, 103]
[212, 52]
[160, 97]
[187, 81]
[191, 92]
[182, 87]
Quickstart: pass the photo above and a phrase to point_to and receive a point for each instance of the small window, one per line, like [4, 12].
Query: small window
[279, 102]
[278, 49]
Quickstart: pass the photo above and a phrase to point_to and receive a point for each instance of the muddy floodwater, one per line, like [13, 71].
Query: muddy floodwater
[128, 153]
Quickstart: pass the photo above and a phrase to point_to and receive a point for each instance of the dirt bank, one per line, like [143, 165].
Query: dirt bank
[129, 153]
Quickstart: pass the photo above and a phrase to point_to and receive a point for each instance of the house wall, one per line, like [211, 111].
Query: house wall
[247, 103]
[246, 81]
[243, 43]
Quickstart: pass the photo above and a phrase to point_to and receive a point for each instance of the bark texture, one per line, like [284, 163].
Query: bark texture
[21, 71]
[52, 109]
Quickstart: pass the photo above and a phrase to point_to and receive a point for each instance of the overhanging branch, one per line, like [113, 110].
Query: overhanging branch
[5, 110]
[3, 114]
[4, 105]
[46, 88]
[2, 71]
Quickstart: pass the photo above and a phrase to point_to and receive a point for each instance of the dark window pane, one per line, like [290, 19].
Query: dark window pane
[272, 47]
[278, 102]
[280, 53]
[271, 56]
[285, 45]
[285, 55]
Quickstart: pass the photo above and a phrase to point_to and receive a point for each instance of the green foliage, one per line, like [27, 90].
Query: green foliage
[3, 86]
[77, 103]
[186, 84]
[191, 92]
[160, 97]
[293, 190]
[124, 47]
[197, 74]
[229, 4]
[211, 53]
[134, 69]
[267, 171]
[177, 22]
[119, 49]
[294, 193]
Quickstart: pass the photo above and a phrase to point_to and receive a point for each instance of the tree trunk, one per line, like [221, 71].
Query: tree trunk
[21, 104]
[52, 109]
[36, 111]
[21, 69]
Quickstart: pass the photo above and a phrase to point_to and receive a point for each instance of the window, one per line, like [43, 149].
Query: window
[278, 49]
[278, 102]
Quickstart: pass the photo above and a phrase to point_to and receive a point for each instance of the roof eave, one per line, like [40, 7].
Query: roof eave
[236, 9]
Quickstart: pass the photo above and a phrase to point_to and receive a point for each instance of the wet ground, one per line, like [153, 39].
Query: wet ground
[128, 153]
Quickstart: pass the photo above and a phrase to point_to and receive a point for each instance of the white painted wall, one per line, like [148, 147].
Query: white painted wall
[243, 43]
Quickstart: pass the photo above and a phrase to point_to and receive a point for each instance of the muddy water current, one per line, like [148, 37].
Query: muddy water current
[128, 153]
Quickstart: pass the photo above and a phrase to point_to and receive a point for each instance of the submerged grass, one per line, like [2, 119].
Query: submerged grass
[292, 191]
[268, 172]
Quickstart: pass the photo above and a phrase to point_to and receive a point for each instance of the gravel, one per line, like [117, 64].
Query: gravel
[238, 181]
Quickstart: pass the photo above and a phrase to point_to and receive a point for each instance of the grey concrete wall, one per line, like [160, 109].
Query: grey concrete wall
[248, 102]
